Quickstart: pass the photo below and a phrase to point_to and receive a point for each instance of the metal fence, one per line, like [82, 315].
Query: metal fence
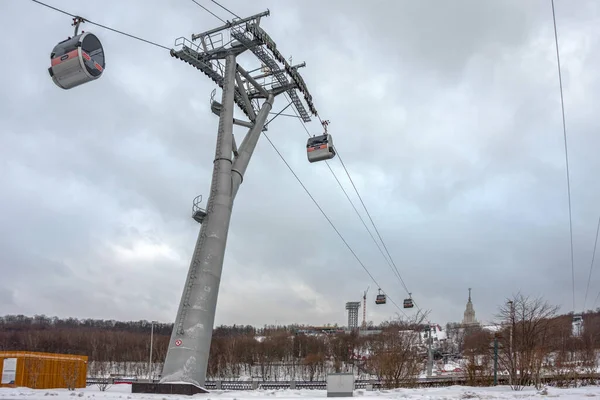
[434, 381]
[277, 385]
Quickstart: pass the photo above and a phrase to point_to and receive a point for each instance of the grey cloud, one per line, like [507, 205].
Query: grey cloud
[446, 116]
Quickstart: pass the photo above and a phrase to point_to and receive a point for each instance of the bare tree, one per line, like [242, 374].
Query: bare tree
[590, 341]
[526, 324]
[477, 351]
[34, 368]
[101, 370]
[70, 373]
[396, 357]
[312, 362]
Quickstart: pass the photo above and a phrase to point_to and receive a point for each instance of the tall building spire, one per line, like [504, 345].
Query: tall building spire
[469, 316]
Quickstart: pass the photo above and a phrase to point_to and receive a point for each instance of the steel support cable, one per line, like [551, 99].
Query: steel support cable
[347, 196]
[229, 11]
[210, 12]
[392, 265]
[564, 124]
[330, 222]
[103, 26]
[591, 267]
[596, 301]
[370, 218]
[394, 268]
[313, 199]
[349, 200]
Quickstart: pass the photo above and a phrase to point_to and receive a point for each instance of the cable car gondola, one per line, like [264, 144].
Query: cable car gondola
[77, 60]
[319, 148]
[408, 303]
[380, 299]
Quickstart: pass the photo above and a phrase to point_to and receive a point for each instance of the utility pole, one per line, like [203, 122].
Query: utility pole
[150, 360]
[495, 360]
[187, 356]
[364, 321]
[429, 352]
[510, 342]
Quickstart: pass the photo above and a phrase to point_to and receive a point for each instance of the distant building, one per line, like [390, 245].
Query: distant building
[469, 316]
[352, 307]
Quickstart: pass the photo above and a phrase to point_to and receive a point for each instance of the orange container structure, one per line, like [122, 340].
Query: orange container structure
[42, 370]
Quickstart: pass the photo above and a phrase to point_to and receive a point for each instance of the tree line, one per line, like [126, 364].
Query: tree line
[530, 339]
[531, 342]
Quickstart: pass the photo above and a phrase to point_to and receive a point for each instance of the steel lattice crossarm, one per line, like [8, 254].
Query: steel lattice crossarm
[246, 34]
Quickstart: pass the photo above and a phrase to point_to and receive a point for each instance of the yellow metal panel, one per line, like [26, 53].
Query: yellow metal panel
[47, 370]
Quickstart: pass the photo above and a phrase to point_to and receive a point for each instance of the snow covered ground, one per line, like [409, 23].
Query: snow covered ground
[123, 392]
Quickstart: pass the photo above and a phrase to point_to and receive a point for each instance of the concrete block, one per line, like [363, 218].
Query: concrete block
[340, 385]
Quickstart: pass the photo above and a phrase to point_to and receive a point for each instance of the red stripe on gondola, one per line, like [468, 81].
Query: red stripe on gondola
[64, 57]
[323, 146]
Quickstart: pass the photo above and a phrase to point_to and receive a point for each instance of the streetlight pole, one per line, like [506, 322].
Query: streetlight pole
[495, 359]
[429, 352]
[150, 359]
[510, 345]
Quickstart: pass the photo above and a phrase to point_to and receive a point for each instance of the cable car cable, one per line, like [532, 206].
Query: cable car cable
[304, 187]
[395, 267]
[278, 114]
[229, 11]
[329, 220]
[280, 155]
[591, 266]
[392, 265]
[372, 222]
[346, 194]
[596, 301]
[207, 10]
[371, 219]
[352, 204]
[104, 26]
[564, 124]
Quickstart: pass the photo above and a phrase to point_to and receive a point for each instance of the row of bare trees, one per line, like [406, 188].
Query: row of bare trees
[269, 353]
[532, 342]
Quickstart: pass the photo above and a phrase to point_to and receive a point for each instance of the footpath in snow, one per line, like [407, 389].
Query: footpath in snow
[123, 392]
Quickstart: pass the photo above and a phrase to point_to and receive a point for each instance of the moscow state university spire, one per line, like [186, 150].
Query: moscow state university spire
[469, 316]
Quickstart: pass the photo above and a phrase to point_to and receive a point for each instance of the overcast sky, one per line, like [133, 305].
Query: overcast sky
[447, 115]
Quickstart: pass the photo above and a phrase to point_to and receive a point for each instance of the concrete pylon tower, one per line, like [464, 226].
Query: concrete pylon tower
[209, 52]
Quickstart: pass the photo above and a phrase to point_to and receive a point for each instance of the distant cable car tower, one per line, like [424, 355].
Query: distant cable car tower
[577, 325]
